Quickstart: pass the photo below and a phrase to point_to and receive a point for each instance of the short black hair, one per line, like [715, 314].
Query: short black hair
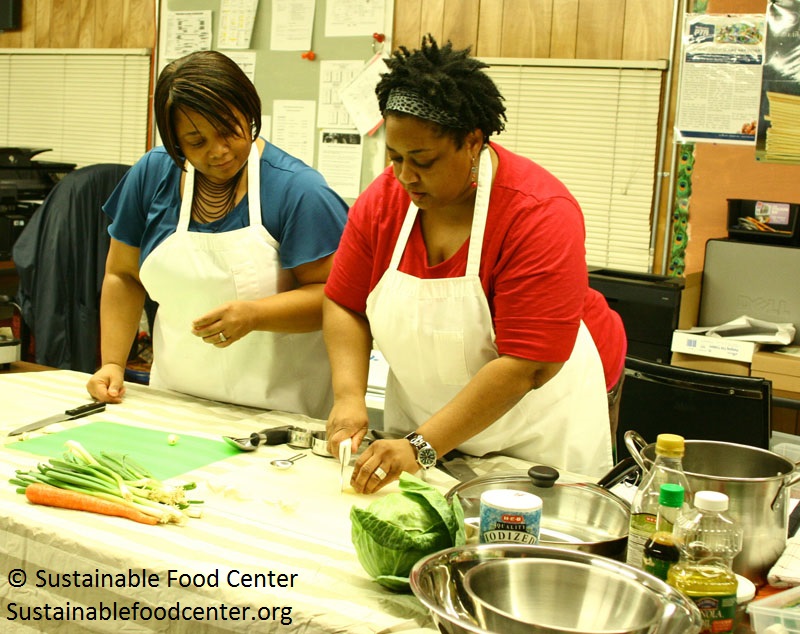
[211, 84]
[450, 80]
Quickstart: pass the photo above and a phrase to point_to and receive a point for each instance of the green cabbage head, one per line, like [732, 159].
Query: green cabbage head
[396, 531]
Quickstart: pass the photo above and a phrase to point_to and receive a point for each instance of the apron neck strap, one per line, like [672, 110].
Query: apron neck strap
[254, 186]
[480, 212]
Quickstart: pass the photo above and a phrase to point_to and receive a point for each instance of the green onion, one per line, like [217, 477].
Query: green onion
[114, 477]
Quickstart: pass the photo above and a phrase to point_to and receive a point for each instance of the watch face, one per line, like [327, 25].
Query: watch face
[427, 457]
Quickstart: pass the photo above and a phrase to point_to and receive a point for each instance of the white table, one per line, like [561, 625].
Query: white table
[257, 520]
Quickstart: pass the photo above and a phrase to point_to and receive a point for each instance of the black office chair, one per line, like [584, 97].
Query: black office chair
[697, 405]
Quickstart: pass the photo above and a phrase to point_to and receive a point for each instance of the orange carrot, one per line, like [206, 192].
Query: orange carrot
[47, 495]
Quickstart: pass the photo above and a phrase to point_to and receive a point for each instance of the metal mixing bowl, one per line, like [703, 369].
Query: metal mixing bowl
[439, 582]
[533, 595]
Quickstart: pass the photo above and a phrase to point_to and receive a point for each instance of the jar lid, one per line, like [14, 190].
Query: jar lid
[711, 501]
[670, 445]
[671, 495]
[511, 500]
[745, 590]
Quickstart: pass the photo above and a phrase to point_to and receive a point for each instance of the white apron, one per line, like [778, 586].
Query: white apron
[437, 333]
[189, 274]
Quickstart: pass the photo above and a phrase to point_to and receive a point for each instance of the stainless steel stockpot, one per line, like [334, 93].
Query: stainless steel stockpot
[755, 480]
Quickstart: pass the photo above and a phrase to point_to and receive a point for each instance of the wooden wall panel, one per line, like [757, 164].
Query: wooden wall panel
[601, 25]
[460, 23]
[84, 24]
[490, 29]
[87, 14]
[432, 20]
[526, 28]
[648, 25]
[407, 23]
[564, 41]
[109, 24]
[63, 15]
[41, 28]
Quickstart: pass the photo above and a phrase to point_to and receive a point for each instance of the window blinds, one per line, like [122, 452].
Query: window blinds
[87, 105]
[594, 125]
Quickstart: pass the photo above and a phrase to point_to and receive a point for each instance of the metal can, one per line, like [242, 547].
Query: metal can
[510, 516]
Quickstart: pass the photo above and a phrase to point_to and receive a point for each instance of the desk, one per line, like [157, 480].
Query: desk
[23, 366]
[257, 519]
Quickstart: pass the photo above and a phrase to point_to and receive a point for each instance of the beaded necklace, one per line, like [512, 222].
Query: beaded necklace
[212, 201]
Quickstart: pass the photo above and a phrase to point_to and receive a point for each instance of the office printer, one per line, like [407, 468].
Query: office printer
[24, 184]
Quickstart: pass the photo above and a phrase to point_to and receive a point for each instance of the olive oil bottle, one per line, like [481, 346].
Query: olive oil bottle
[660, 550]
[708, 540]
[667, 467]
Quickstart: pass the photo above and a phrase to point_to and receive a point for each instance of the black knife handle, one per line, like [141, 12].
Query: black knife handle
[85, 410]
[270, 436]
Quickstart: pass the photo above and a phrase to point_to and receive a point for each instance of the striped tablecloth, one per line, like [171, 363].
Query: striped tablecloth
[257, 521]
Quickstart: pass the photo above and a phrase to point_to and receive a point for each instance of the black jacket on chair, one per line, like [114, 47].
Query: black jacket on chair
[60, 258]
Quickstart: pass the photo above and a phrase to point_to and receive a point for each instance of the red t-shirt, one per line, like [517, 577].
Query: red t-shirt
[533, 264]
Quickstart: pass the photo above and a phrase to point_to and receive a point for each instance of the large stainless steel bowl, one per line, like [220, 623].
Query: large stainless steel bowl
[438, 581]
[553, 596]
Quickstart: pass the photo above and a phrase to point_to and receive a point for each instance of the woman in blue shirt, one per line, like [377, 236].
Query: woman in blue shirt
[233, 238]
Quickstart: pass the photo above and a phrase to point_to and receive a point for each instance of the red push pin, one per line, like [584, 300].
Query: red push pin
[379, 37]
[309, 55]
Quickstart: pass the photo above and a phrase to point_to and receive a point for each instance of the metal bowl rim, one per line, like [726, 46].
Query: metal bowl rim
[543, 551]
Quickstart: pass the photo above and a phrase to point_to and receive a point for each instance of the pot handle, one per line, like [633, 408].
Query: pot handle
[623, 470]
[794, 479]
[635, 444]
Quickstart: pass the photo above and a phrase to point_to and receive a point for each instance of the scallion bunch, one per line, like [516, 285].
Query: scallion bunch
[115, 478]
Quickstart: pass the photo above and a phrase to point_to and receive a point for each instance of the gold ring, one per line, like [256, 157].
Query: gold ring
[380, 473]
[222, 338]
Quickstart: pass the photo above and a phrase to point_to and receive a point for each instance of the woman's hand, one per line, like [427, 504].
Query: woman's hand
[226, 324]
[348, 419]
[107, 385]
[381, 463]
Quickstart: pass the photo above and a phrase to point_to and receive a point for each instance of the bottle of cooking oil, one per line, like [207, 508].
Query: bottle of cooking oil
[667, 468]
[660, 551]
[708, 539]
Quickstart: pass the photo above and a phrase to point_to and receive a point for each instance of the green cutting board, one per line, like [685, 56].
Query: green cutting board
[148, 447]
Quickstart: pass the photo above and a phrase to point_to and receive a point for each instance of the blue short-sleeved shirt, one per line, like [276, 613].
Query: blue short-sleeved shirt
[298, 208]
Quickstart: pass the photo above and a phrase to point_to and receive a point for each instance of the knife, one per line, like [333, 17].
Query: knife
[70, 414]
[345, 447]
[457, 468]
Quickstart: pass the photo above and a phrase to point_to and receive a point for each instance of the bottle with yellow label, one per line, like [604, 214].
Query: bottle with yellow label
[708, 539]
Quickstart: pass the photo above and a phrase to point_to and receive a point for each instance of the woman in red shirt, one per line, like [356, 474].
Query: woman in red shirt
[465, 263]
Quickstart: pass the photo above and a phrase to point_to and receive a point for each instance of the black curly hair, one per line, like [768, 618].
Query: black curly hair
[450, 80]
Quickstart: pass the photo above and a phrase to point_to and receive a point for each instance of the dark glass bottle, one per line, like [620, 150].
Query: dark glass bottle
[660, 551]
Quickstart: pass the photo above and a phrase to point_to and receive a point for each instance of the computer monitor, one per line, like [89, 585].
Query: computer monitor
[753, 279]
[10, 15]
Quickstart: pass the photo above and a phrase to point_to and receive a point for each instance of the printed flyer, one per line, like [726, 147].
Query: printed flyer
[720, 78]
[778, 138]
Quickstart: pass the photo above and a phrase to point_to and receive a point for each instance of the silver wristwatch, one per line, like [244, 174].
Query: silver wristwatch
[426, 455]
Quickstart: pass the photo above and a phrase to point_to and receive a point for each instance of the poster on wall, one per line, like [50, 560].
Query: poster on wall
[720, 78]
[778, 139]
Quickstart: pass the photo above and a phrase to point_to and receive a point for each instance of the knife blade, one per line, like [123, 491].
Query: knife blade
[345, 449]
[457, 468]
[70, 414]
